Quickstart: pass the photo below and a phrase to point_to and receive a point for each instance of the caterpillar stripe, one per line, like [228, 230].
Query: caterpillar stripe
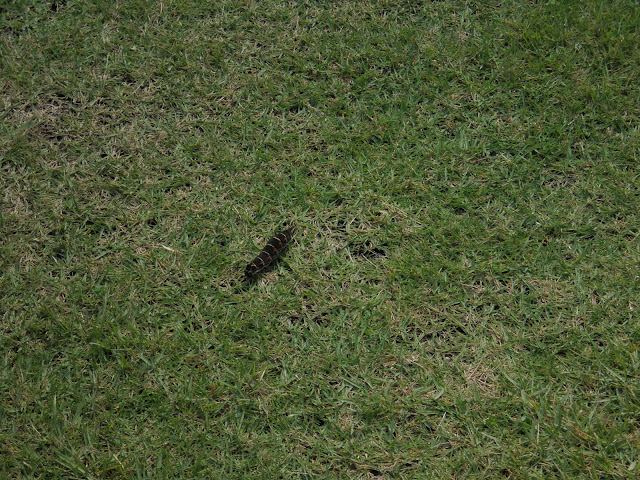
[270, 252]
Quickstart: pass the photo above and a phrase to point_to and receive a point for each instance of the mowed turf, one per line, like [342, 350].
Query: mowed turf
[461, 298]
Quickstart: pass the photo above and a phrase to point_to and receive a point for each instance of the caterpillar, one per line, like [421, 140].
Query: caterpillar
[270, 252]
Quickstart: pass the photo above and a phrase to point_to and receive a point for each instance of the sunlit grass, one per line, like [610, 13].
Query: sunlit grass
[460, 299]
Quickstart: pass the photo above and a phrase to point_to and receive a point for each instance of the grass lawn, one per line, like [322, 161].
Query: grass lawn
[461, 299]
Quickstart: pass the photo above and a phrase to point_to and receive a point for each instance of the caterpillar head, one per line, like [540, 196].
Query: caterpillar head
[251, 269]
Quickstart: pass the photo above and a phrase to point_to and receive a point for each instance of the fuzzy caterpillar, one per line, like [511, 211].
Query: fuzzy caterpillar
[270, 252]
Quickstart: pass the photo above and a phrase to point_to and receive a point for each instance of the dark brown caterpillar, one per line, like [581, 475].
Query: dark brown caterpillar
[270, 252]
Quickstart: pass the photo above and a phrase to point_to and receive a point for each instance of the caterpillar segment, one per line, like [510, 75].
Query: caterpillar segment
[274, 247]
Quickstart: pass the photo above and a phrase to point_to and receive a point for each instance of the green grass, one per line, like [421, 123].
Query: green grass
[461, 300]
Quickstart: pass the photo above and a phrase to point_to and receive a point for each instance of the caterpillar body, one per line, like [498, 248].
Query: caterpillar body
[275, 246]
